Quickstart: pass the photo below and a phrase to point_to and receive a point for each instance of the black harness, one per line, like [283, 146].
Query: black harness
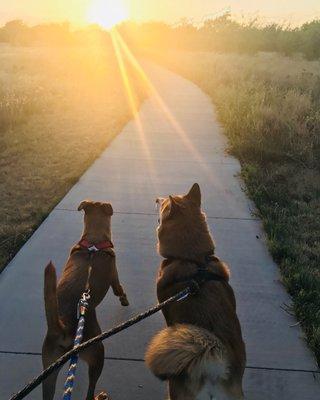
[203, 274]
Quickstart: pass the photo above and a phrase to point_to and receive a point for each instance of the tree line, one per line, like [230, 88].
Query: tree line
[222, 34]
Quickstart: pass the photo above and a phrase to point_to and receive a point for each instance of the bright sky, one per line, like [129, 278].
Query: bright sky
[82, 11]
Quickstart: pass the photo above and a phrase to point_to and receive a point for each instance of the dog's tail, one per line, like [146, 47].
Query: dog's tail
[51, 301]
[189, 350]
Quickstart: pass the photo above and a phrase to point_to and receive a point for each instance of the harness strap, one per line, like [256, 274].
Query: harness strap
[200, 278]
[203, 274]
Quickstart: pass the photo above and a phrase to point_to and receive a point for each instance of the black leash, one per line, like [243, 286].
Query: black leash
[191, 289]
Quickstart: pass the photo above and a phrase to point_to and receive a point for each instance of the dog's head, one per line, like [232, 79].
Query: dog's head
[182, 230]
[97, 219]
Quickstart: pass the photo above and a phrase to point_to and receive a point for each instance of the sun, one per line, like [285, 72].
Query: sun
[107, 13]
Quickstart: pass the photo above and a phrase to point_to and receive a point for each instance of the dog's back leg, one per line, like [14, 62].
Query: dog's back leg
[49, 386]
[50, 354]
[94, 357]
[226, 390]
[179, 389]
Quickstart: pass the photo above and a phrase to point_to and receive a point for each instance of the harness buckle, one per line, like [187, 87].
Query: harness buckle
[93, 249]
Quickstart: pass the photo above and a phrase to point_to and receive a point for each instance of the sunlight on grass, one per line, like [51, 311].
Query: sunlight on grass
[59, 108]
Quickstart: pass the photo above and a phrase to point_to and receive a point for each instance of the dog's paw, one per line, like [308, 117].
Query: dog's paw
[124, 301]
[102, 396]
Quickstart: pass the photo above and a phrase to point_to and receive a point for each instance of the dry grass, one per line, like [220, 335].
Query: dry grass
[59, 108]
[269, 106]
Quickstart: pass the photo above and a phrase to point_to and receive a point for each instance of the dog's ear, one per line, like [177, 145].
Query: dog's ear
[194, 194]
[160, 200]
[107, 208]
[174, 206]
[84, 204]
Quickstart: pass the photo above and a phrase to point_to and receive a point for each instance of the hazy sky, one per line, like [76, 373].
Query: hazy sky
[76, 11]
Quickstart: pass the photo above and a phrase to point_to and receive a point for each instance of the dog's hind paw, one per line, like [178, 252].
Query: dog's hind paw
[124, 301]
[102, 396]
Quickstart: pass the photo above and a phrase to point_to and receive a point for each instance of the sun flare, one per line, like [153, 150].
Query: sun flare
[107, 13]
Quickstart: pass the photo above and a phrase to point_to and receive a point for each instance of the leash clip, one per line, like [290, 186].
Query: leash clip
[194, 287]
[83, 304]
[184, 297]
[86, 295]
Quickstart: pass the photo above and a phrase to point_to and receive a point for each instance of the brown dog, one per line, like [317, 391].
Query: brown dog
[94, 252]
[201, 353]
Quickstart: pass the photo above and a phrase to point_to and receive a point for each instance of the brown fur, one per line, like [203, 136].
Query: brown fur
[203, 346]
[61, 300]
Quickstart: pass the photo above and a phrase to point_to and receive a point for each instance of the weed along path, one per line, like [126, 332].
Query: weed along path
[174, 141]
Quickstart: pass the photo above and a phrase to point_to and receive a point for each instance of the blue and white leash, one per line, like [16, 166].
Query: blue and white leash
[82, 308]
[192, 289]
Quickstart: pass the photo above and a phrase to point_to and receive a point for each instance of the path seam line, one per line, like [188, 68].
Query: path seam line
[155, 214]
[142, 360]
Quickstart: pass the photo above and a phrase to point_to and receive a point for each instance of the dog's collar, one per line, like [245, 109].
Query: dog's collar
[93, 248]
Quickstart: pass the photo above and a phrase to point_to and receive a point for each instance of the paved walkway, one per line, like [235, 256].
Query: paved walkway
[137, 167]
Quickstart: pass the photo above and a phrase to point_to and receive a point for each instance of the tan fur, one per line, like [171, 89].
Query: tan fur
[185, 241]
[184, 349]
[61, 299]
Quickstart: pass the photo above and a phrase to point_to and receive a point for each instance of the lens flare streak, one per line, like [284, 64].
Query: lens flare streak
[175, 124]
[133, 105]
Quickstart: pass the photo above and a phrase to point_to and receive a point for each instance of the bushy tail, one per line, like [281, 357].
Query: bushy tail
[186, 349]
[50, 299]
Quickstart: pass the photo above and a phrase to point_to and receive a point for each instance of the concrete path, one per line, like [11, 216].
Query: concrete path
[167, 157]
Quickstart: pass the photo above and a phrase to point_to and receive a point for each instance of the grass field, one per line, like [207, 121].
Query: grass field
[59, 108]
[269, 107]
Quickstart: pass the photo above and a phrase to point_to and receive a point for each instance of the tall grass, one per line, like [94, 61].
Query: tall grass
[224, 34]
[59, 108]
[269, 106]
